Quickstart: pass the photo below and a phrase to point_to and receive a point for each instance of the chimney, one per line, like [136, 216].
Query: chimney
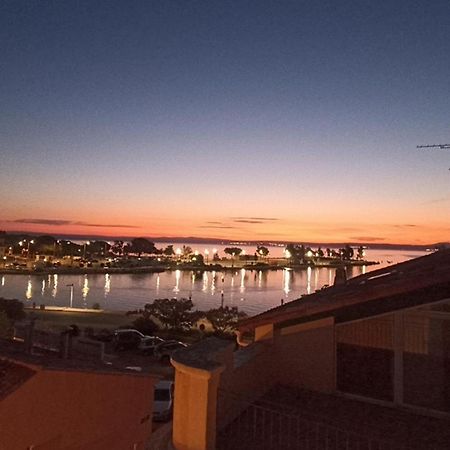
[340, 277]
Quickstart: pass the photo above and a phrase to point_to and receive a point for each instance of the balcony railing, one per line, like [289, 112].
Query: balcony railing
[267, 426]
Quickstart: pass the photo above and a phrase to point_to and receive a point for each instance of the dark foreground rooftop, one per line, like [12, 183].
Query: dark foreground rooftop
[287, 418]
[411, 283]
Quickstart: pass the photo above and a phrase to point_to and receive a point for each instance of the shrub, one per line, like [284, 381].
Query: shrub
[173, 313]
[145, 325]
[224, 319]
[13, 309]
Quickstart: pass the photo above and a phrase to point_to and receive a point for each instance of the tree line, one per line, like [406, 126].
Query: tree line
[179, 315]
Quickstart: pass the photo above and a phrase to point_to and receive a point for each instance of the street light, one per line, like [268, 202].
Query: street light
[84, 249]
[28, 248]
[54, 247]
[206, 254]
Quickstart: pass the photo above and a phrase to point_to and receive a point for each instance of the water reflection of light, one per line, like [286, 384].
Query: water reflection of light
[316, 279]
[205, 281]
[107, 284]
[55, 285]
[29, 291]
[43, 287]
[363, 270]
[3, 281]
[213, 282]
[85, 289]
[260, 278]
[242, 287]
[286, 281]
[157, 283]
[308, 282]
[330, 277]
[232, 280]
[177, 281]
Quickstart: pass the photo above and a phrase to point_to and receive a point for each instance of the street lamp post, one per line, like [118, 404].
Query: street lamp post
[84, 249]
[71, 294]
[28, 248]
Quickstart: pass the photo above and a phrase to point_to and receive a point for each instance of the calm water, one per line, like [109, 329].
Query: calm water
[250, 290]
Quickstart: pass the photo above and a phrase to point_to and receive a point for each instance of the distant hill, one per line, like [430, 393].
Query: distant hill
[211, 241]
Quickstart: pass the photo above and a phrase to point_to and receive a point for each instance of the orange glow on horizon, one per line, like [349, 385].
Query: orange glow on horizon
[250, 229]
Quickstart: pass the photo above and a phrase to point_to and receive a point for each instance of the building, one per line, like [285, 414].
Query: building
[49, 403]
[363, 364]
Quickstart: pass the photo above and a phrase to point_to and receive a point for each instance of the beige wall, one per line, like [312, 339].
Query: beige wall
[74, 410]
[299, 356]
[305, 358]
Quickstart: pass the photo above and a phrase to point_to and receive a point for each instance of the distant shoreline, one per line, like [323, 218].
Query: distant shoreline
[218, 241]
[182, 267]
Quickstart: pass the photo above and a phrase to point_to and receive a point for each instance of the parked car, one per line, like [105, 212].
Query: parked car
[163, 400]
[164, 351]
[149, 343]
[127, 339]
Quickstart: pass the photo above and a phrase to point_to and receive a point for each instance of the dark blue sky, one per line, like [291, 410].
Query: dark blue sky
[250, 97]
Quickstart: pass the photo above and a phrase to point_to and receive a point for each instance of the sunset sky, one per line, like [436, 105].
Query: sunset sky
[262, 120]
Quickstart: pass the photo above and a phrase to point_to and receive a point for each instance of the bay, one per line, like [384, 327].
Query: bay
[252, 291]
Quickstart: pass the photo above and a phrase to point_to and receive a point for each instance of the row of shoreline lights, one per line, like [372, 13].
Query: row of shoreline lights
[179, 251]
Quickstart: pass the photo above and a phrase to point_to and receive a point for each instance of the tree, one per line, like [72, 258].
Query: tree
[233, 251]
[297, 252]
[347, 252]
[145, 324]
[262, 251]
[198, 259]
[361, 253]
[43, 244]
[224, 319]
[142, 245]
[98, 247]
[117, 248]
[320, 252]
[173, 313]
[169, 251]
[187, 251]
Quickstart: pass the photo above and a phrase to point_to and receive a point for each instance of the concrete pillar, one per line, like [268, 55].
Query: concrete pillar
[195, 407]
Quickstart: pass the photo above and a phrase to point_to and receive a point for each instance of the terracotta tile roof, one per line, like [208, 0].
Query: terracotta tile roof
[12, 375]
[392, 287]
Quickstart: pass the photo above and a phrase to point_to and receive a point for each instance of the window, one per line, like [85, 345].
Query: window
[416, 367]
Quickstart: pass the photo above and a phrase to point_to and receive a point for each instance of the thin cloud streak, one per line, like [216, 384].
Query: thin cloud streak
[263, 219]
[216, 226]
[62, 222]
[367, 238]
